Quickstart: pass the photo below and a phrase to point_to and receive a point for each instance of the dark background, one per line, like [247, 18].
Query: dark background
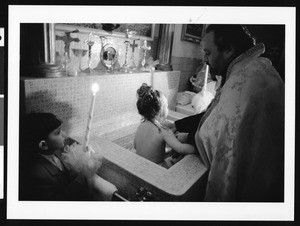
[273, 37]
[1, 120]
[2, 70]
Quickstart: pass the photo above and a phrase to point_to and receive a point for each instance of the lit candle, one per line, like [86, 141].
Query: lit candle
[95, 88]
[205, 78]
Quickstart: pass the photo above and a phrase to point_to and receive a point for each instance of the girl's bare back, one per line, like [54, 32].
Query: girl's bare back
[149, 142]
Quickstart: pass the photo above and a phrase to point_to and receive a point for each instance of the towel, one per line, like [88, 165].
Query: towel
[185, 98]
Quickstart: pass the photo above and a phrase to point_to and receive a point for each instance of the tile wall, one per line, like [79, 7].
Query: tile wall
[115, 107]
[187, 67]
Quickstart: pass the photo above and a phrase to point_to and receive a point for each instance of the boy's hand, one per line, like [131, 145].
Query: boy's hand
[70, 147]
[70, 157]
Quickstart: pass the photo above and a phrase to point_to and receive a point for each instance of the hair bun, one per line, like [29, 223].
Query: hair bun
[145, 92]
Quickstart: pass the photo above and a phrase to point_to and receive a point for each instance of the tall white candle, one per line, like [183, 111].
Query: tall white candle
[95, 88]
[205, 78]
[46, 45]
[52, 43]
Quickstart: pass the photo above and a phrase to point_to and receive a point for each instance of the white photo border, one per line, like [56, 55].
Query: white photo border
[148, 210]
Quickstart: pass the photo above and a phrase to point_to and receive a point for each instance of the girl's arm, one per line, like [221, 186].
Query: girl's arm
[175, 144]
[170, 124]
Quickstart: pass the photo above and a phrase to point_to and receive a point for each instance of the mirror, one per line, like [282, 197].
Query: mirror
[109, 56]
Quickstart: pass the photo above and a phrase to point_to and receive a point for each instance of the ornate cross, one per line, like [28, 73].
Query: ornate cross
[67, 39]
[145, 48]
[133, 45]
[102, 40]
[90, 43]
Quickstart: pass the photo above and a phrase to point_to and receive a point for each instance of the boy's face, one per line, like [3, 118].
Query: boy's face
[55, 140]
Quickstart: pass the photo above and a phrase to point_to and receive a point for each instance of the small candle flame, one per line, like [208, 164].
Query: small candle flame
[95, 88]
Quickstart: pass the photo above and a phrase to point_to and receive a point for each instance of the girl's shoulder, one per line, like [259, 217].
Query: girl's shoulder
[149, 128]
[148, 125]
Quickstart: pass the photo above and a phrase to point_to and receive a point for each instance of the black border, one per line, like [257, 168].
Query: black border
[4, 23]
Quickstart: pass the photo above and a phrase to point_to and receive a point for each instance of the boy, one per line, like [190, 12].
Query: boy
[43, 174]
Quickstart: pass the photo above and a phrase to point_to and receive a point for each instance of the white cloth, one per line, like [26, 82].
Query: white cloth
[185, 98]
[201, 100]
[240, 137]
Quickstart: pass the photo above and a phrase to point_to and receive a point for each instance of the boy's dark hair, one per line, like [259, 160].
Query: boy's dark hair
[35, 127]
[231, 35]
[148, 103]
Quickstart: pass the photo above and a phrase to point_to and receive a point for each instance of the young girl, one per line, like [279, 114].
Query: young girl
[151, 136]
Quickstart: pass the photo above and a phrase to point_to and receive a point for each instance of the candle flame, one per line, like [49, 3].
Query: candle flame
[95, 88]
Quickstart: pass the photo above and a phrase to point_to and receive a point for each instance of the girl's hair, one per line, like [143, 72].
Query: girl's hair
[151, 103]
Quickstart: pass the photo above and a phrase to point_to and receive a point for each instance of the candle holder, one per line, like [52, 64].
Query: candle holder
[90, 43]
[132, 65]
[64, 61]
[128, 34]
[102, 42]
[125, 67]
[145, 48]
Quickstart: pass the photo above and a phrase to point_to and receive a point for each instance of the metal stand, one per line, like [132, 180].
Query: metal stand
[90, 43]
[165, 47]
[49, 68]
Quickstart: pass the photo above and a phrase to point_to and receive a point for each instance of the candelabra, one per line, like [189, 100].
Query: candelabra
[132, 65]
[145, 48]
[128, 34]
[125, 67]
[102, 40]
[90, 43]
